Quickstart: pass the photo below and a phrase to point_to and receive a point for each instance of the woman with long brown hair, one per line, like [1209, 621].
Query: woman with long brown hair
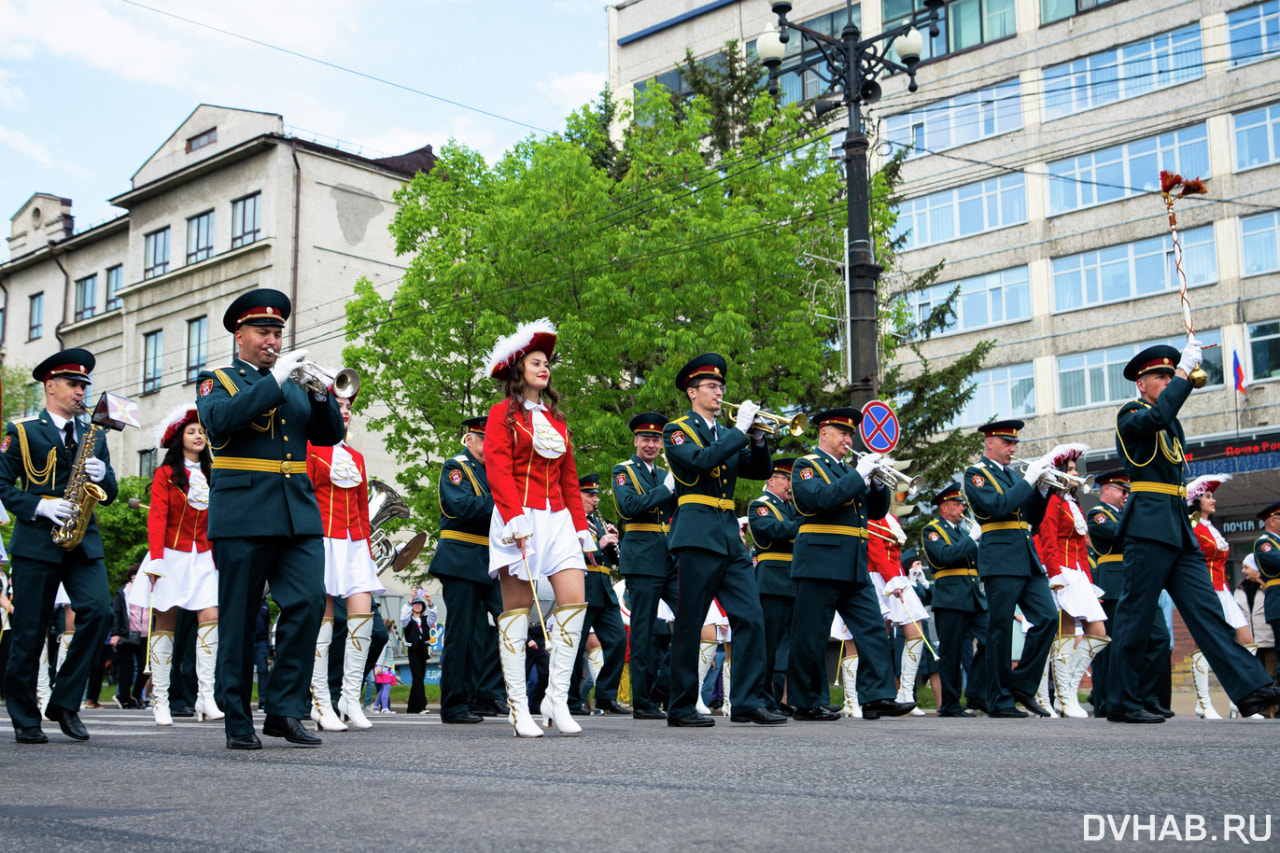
[538, 528]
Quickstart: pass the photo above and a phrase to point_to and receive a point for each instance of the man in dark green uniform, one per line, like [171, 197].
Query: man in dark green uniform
[644, 496]
[830, 572]
[1008, 507]
[950, 545]
[264, 523]
[461, 563]
[1266, 554]
[603, 615]
[36, 456]
[711, 561]
[1160, 549]
[774, 522]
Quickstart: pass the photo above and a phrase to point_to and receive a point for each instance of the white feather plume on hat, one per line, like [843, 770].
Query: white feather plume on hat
[1065, 452]
[1204, 484]
[183, 411]
[516, 344]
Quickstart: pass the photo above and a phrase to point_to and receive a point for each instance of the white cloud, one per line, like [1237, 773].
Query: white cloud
[24, 144]
[567, 92]
[11, 96]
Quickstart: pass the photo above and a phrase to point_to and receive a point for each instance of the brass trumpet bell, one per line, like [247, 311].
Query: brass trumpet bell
[771, 424]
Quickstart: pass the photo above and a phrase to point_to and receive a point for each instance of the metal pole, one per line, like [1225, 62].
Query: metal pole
[864, 273]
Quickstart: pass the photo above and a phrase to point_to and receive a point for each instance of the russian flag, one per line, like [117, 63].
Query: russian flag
[1238, 370]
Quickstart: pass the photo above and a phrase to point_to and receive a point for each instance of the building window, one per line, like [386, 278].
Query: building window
[197, 347]
[1097, 378]
[35, 317]
[1260, 243]
[1124, 72]
[1254, 32]
[958, 121]
[964, 23]
[1264, 350]
[200, 237]
[199, 141]
[1257, 137]
[244, 220]
[147, 463]
[1132, 270]
[1126, 170]
[1056, 10]
[155, 254]
[962, 212]
[86, 297]
[987, 300]
[1001, 392]
[152, 347]
[115, 280]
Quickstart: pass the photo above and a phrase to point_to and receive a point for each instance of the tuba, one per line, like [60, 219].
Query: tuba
[384, 505]
[82, 494]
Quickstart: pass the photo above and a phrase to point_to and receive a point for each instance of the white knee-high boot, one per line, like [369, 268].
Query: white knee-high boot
[1060, 658]
[64, 645]
[44, 689]
[513, 635]
[1084, 654]
[321, 706]
[911, 650]
[206, 663]
[727, 679]
[565, 636]
[706, 659]
[595, 663]
[849, 677]
[359, 631]
[161, 661]
[1200, 676]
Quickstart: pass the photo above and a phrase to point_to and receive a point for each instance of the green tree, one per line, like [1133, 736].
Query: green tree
[20, 393]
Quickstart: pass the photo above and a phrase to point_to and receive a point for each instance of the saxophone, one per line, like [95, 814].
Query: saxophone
[82, 494]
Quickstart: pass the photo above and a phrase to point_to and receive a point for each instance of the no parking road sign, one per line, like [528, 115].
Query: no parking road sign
[879, 427]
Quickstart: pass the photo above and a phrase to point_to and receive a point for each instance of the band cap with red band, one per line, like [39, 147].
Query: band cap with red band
[784, 465]
[1006, 429]
[949, 493]
[589, 484]
[1161, 358]
[1270, 512]
[1112, 478]
[709, 365]
[648, 423]
[845, 417]
[538, 336]
[260, 307]
[71, 363]
[475, 426]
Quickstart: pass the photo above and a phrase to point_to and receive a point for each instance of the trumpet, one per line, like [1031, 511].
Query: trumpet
[317, 380]
[768, 422]
[891, 478]
[1061, 481]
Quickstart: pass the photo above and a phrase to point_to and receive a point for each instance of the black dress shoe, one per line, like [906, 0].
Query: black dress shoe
[1259, 700]
[1155, 708]
[612, 706]
[648, 714]
[956, 714]
[759, 716]
[580, 711]
[182, 711]
[462, 717]
[289, 728]
[29, 734]
[784, 708]
[886, 708]
[694, 720]
[976, 705]
[835, 709]
[488, 708]
[1029, 702]
[68, 721]
[816, 714]
[1140, 716]
[1009, 713]
[249, 741]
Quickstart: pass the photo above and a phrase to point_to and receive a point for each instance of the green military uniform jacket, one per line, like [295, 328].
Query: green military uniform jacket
[258, 431]
[953, 556]
[1266, 553]
[598, 585]
[1008, 508]
[35, 465]
[1108, 550]
[645, 507]
[834, 503]
[1150, 440]
[706, 472]
[774, 524]
[466, 508]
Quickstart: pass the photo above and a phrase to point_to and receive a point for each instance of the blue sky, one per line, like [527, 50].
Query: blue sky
[90, 88]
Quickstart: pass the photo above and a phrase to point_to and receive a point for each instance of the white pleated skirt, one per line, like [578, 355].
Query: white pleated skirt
[1077, 597]
[839, 631]
[899, 611]
[348, 568]
[1231, 610]
[721, 621]
[188, 580]
[552, 548]
[60, 597]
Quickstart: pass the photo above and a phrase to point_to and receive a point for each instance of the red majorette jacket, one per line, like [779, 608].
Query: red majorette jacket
[519, 477]
[172, 522]
[344, 511]
[1217, 559]
[883, 549]
[1059, 542]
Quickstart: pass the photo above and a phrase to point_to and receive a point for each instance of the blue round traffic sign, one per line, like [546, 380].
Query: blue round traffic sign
[879, 427]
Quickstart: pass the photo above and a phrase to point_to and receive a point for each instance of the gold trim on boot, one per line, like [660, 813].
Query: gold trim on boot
[565, 637]
[161, 664]
[359, 632]
[513, 635]
[206, 666]
[322, 712]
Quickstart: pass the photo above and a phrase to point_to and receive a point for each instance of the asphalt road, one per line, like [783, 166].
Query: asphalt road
[413, 784]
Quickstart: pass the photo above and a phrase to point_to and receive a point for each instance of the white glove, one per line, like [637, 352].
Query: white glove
[1191, 356]
[669, 482]
[519, 527]
[588, 541]
[96, 469]
[975, 532]
[1035, 471]
[56, 510]
[746, 415]
[757, 435]
[867, 464]
[285, 363]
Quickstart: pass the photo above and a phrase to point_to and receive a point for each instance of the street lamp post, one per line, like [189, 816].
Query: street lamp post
[853, 63]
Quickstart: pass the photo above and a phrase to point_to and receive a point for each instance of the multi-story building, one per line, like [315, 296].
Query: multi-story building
[1034, 147]
[228, 203]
